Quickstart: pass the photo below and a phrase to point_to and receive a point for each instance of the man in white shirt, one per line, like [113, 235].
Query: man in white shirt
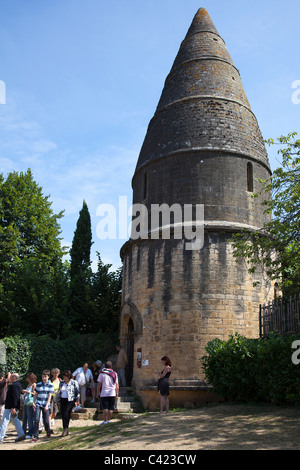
[83, 375]
[108, 389]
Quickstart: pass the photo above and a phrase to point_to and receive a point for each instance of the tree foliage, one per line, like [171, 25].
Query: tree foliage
[34, 299]
[28, 227]
[36, 353]
[106, 294]
[80, 273]
[81, 246]
[30, 255]
[276, 246]
[40, 293]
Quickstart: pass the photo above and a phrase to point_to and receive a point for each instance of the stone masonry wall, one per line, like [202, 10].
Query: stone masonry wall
[186, 299]
[217, 180]
[203, 124]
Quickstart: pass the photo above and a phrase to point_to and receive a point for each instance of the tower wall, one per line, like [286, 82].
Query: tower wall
[185, 299]
[218, 180]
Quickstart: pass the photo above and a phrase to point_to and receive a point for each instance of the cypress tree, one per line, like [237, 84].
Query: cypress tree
[80, 272]
[82, 243]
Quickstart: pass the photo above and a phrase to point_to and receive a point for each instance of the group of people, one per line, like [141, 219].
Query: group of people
[42, 400]
[37, 397]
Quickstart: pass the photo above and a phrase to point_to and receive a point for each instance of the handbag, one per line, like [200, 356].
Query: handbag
[29, 401]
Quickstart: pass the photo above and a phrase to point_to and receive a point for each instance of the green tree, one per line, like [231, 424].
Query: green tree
[80, 273]
[106, 295]
[82, 242]
[28, 226]
[276, 246]
[35, 300]
[30, 252]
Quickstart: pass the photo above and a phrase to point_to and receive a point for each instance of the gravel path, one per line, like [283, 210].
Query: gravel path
[222, 427]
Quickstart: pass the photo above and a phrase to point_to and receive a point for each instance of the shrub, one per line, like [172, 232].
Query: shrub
[243, 369]
[18, 354]
[36, 353]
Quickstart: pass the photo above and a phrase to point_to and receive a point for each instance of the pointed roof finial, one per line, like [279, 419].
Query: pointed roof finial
[202, 22]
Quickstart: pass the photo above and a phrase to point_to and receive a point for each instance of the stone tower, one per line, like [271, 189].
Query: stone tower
[203, 147]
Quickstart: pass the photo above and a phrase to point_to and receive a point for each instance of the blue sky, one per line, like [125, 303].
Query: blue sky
[83, 80]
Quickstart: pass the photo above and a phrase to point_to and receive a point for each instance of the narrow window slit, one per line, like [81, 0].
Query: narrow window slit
[145, 185]
[250, 177]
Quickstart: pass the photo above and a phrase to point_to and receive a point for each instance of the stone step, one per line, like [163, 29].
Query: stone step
[124, 406]
[119, 401]
[125, 391]
[126, 398]
[125, 403]
[89, 404]
[83, 413]
[77, 416]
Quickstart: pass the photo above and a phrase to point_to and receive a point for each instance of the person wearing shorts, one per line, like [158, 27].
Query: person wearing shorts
[108, 389]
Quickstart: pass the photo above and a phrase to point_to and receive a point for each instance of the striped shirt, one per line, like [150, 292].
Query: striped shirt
[42, 390]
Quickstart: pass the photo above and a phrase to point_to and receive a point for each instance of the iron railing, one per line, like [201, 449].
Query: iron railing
[282, 316]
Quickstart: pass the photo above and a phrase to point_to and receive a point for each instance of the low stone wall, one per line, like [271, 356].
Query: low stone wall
[180, 397]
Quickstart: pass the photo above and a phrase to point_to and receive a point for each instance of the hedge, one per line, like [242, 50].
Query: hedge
[36, 353]
[242, 369]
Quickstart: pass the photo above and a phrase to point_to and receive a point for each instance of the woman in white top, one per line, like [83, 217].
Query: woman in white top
[68, 396]
[83, 375]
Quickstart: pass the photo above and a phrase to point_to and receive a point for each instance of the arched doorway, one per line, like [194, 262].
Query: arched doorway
[130, 332]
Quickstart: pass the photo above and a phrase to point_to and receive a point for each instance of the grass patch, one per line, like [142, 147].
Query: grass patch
[222, 427]
[88, 436]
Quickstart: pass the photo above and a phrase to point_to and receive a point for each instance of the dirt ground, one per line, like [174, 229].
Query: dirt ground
[220, 427]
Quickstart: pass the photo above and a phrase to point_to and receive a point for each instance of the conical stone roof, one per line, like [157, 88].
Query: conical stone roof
[203, 106]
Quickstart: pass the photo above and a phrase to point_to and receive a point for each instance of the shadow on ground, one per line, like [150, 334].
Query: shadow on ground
[222, 427]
